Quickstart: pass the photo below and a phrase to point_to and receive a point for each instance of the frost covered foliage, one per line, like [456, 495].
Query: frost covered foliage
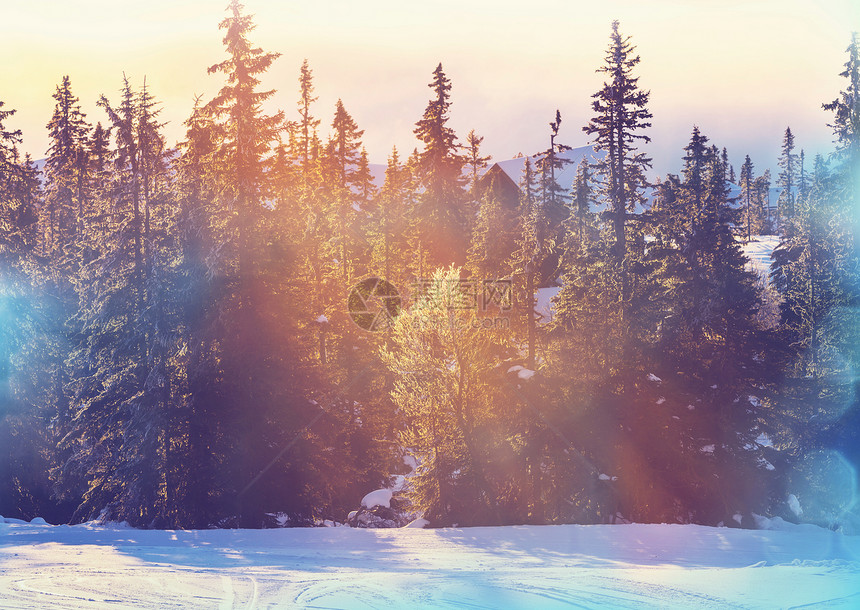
[178, 349]
[445, 385]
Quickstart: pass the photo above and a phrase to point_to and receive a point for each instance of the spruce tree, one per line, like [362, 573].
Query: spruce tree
[475, 161]
[10, 174]
[552, 197]
[307, 123]
[788, 178]
[761, 188]
[493, 239]
[117, 438]
[621, 113]
[442, 215]
[66, 168]
[527, 260]
[845, 193]
[341, 161]
[263, 381]
[801, 176]
[248, 132]
[710, 355]
[747, 184]
[390, 222]
[810, 277]
[581, 200]
[347, 145]
[364, 183]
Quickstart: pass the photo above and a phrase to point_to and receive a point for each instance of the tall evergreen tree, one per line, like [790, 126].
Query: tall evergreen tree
[391, 227]
[66, 168]
[28, 319]
[845, 192]
[527, 260]
[342, 160]
[710, 354]
[801, 175]
[115, 444]
[307, 124]
[442, 216]
[364, 182]
[788, 178]
[248, 132]
[475, 161]
[18, 188]
[493, 239]
[552, 196]
[581, 200]
[621, 113]
[747, 184]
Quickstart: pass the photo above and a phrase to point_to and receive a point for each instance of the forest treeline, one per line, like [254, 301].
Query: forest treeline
[178, 348]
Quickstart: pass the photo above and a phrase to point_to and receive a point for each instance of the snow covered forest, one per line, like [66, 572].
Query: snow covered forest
[257, 326]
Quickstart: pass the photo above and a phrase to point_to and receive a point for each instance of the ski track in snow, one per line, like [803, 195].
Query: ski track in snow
[567, 566]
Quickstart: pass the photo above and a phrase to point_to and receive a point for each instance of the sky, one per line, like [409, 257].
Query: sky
[742, 70]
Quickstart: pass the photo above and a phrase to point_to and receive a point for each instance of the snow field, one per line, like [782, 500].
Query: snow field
[621, 566]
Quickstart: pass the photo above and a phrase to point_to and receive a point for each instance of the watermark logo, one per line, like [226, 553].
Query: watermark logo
[373, 304]
[465, 294]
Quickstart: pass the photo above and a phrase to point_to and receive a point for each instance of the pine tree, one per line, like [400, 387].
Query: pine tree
[747, 184]
[846, 108]
[153, 167]
[66, 168]
[101, 158]
[307, 123]
[20, 195]
[342, 162]
[26, 321]
[801, 177]
[347, 144]
[493, 239]
[710, 353]
[246, 136]
[199, 434]
[475, 161]
[11, 174]
[8, 139]
[761, 188]
[810, 277]
[265, 377]
[116, 440]
[552, 198]
[248, 131]
[621, 113]
[527, 260]
[364, 183]
[442, 215]
[845, 230]
[787, 179]
[581, 199]
[128, 193]
[390, 222]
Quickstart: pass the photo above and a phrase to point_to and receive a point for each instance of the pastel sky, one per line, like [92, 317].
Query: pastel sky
[741, 69]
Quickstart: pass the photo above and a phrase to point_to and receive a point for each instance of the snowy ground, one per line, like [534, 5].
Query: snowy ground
[628, 566]
[759, 250]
